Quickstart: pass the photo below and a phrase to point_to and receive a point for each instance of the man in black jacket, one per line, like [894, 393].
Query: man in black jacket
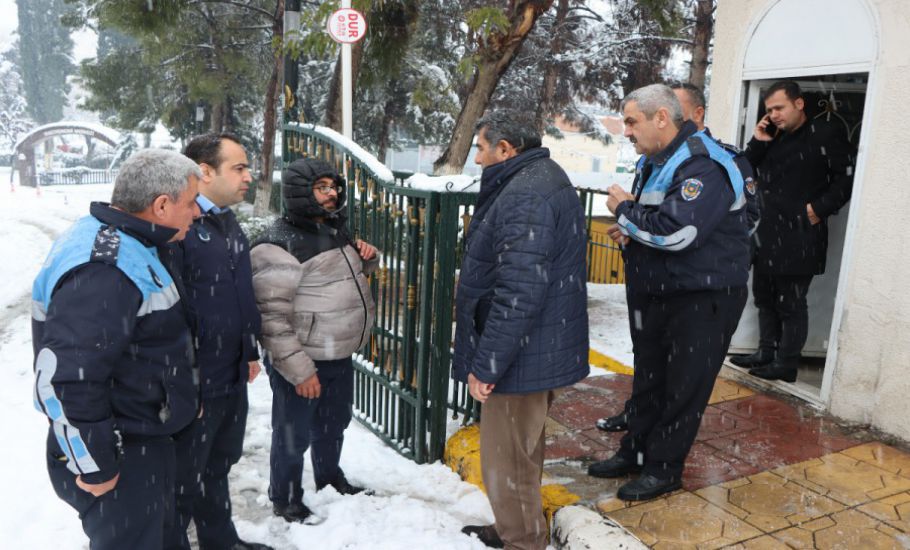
[686, 252]
[215, 260]
[805, 174]
[114, 363]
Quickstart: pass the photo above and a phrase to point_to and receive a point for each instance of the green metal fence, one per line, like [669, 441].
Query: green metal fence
[403, 391]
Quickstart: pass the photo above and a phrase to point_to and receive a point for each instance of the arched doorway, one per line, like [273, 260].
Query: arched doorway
[26, 160]
[831, 50]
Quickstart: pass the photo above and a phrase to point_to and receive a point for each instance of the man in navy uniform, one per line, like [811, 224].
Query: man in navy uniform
[686, 259]
[692, 101]
[215, 261]
[114, 354]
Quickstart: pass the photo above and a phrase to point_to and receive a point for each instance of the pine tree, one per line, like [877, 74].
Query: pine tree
[14, 119]
[45, 50]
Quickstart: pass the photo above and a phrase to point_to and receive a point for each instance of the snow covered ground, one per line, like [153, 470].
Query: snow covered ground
[415, 506]
[608, 317]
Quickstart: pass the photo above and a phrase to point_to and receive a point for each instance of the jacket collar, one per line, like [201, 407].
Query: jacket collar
[497, 174]
[687, 130]
[148, 233]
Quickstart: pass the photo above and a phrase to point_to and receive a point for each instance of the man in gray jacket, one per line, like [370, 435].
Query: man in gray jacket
[310, 280]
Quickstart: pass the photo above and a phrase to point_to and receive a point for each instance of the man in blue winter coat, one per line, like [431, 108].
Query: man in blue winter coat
[522, 319]
[215, 262]
[114, 354]
[686, 252]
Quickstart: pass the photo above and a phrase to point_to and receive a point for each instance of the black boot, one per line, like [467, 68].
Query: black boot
[761, 357]
[486, 533]
[615, 466]
[618, 423]
[778, 370]
[292, 513]
[647, 487]
[343, 487]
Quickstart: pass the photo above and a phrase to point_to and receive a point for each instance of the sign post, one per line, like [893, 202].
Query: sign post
[346, 26]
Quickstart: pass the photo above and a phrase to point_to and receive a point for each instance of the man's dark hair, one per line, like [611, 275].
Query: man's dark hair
[696, 95]
[206, 148]
[790, 88]
[515, 128]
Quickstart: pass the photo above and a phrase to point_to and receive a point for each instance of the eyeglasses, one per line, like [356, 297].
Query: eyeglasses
[326, 189]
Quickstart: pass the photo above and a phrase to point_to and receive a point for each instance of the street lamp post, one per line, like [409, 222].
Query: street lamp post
[291, 76]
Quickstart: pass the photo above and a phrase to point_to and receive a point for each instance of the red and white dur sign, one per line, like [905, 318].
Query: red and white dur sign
[347, 26]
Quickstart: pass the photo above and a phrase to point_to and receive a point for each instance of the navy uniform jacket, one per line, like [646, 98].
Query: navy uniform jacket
[215, 262]
[688, 225]
[521, 303]
[113, 347]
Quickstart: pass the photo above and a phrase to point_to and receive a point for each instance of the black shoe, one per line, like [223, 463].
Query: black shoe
[292, 513]
[486, 533]
[615, 466]
[343, 487]
[777, 370]
[243, 545]
[761, 357]
[647, 487]
[618, 423]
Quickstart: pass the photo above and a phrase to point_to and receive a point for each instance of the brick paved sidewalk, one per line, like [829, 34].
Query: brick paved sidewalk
[765, 472]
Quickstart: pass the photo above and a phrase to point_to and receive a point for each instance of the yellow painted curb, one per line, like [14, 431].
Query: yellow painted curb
[462, 455]
[597, 359]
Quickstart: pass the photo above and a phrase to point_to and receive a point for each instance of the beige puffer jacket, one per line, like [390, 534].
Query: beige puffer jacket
[320, 309]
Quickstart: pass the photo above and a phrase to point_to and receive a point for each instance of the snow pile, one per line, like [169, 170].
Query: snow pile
[444, 184]
[367, 159]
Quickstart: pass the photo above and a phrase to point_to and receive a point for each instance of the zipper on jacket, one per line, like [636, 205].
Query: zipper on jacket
[363, 301]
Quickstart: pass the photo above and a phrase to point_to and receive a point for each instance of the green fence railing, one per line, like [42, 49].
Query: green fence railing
[403, 390]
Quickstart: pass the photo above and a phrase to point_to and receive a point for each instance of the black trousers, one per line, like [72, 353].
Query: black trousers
[783, 313]
[136, 513]
[298, 423]
[678, 353]
[205, 454]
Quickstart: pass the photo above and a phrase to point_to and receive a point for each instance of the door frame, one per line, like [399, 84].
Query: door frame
[738, 129]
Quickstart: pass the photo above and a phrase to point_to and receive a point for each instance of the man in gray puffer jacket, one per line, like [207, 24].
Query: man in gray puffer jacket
[310, 280]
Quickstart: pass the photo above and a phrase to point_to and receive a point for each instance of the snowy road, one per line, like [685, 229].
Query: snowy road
[416, 506]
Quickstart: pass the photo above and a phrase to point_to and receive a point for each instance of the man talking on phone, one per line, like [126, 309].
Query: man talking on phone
[805, 174]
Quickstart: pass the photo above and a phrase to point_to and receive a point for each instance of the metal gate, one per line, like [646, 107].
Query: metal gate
[403, 391]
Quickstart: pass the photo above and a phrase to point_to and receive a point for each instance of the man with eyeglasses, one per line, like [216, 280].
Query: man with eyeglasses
[310, 279]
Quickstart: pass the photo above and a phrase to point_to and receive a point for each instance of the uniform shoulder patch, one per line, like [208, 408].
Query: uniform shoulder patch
[691, 189]
[750, 185]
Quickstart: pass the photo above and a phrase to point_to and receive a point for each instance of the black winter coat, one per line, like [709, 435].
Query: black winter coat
[813, 165]
[521, 302]
[215, 262]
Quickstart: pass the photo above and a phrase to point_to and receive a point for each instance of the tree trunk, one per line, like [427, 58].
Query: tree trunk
[545, 107]
[217, 118]
[495, 58]
[384, 130]
[704, 25]
[333, 103]
[272, 93]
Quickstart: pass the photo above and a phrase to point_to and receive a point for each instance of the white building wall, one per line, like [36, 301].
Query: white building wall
[870, 382]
